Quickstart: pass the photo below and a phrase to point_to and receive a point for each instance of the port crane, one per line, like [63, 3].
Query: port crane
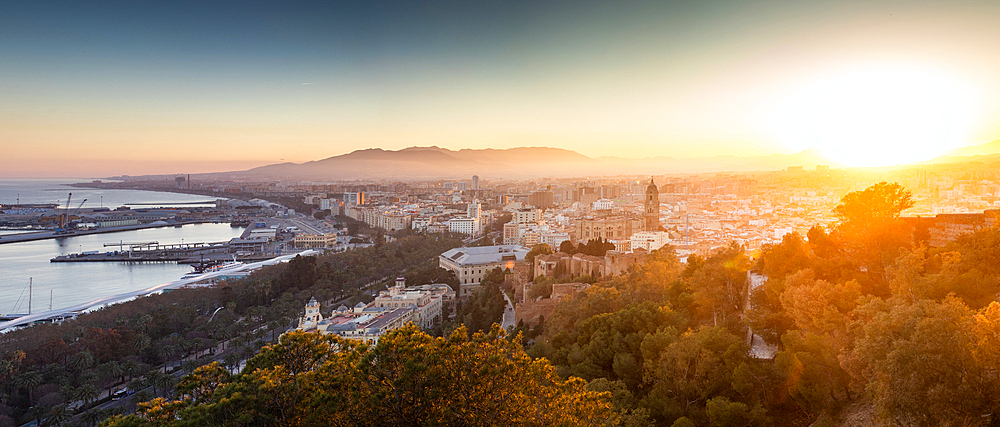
[64, 219]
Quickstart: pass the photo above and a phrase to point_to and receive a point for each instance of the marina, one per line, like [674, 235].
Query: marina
[78, 282]
[76, 309]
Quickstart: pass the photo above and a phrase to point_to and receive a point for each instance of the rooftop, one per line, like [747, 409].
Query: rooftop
[481, 255]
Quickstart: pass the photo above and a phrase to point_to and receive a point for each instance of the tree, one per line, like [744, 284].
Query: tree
[58, 415]
[719, 287]
[870, 224]
[88, 393]
[486, 306]
[928, 362]
[873, 207]
[29, 381]
[692, 370]
[408, 378]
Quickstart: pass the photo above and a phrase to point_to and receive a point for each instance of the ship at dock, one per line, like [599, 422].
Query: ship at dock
[203, 269]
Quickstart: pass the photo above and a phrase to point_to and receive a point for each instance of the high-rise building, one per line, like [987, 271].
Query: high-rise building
[474, 209]
[354, 198]
[541, 199]
[475, 182]
[652, 213]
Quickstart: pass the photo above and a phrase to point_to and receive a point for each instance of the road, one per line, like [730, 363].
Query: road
[508, 314]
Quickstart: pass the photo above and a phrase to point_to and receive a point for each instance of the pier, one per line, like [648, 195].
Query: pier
[148, 252]
[73, 311]
[53, 234]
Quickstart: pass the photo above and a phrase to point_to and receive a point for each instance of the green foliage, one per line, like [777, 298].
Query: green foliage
[594, 247]
[540, 288]
[486, 306]
[408, 378]
[433, 274]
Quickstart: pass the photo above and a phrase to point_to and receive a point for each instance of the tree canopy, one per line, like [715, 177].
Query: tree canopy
[407, 378]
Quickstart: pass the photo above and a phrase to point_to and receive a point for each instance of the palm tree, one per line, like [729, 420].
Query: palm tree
[114, 372]
[190, 365]
[36, 413]
[81, 361]
[167, 383]
[68, 392]
[232, 360]
[132, 367]
[92, 417]
[142, 341]
[168, 351]
[58, 415]
[153, 377]
[226, 335]
[29, 381]
[88, 393]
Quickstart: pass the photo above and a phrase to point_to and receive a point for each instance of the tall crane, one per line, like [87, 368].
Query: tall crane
[77, 209]
[64, 219]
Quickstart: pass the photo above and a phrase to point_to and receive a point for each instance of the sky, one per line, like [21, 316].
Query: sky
[108, 88]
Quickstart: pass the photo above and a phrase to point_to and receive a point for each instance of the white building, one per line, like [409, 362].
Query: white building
[527, 216]
[554, 239]
[603, 205]
[420, 223]
[465, 225]
[649, 240]
[426, 304]
[474, 210]
[471, 264]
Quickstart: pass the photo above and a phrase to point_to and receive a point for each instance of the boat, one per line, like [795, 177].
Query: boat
[202, 269]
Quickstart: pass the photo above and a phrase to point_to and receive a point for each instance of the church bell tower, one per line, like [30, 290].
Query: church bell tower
[652, 214]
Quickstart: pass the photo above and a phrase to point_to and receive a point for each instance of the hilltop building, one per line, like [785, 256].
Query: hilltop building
[392, 309]
[471, 264]
[425, 304]
[561, 264]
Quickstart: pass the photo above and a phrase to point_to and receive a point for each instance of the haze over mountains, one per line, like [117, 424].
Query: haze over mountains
[530, 162]
[514, 163]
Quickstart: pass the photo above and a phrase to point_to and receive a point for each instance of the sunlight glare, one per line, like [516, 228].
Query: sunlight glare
[877, 118]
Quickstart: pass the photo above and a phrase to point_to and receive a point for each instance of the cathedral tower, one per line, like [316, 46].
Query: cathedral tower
[652, 213]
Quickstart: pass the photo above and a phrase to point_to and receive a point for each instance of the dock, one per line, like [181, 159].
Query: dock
[31, 236]
[148, 252]
[73, 311]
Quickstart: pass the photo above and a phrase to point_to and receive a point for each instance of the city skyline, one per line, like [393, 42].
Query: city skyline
[122, 88]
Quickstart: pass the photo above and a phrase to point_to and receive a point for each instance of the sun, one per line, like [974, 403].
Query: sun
[877, 117]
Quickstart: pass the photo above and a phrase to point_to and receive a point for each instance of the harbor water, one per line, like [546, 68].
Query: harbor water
[75, 283]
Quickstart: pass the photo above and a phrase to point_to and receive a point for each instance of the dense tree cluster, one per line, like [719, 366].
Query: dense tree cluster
[595, 247]
[485, 307]
[407, 378]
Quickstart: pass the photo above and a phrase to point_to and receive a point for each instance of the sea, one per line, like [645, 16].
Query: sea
[66, 284]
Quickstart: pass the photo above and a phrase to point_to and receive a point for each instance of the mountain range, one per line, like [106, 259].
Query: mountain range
[529, 162]
[515, 163]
